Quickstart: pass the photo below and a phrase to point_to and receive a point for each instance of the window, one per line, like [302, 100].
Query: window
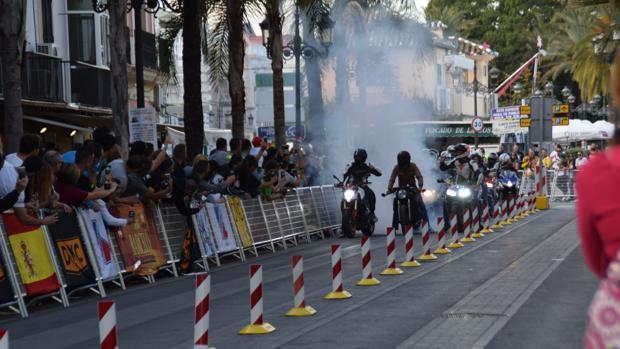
[46, 21]
[79, 5]
[104, 26]
[82, 38]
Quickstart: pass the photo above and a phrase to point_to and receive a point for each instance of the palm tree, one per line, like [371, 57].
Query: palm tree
[235, 14]
[193, 125]
[118, 69]
[12, 35]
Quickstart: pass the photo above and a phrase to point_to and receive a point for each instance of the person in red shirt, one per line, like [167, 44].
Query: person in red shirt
[69, 192]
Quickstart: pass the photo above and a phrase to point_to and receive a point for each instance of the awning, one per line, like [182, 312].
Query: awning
[57, 123]
[448, 129]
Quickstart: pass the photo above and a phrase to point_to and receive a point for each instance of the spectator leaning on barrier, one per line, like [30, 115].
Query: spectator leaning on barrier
[137, 167]
[219, 154]
[580, 161]
[179, 157]
[8, 198]
[71, 194]
[546, 160]
[29, 146]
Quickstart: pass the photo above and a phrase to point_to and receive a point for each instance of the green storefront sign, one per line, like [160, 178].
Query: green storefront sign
[454, 130]
[266, 79]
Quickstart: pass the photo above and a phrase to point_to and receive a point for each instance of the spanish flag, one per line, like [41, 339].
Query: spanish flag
[31, 256]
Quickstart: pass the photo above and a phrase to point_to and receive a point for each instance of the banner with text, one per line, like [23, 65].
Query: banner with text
[139, 242]
[70, 249]
[236, 211]
[222, 229]
[507, 126]
[32, 257]
[205, 232]
[143, 125]
[100, 241]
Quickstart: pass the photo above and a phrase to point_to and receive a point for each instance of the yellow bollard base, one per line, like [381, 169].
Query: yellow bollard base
[505, 223]
[456, 245]
[496, 226]
[542, 202]
[427, 257]
[442, 251]
[257, 329]
[305, 311]
[368, 282]
[392, 271]
[467, 240]
[338, 295]
[513, 220]
[486, 231]
[477, 235]
[410, 264]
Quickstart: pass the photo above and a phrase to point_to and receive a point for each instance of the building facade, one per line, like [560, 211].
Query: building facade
[66, 69]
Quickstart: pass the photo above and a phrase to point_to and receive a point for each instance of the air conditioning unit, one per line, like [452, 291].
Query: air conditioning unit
[47, 49]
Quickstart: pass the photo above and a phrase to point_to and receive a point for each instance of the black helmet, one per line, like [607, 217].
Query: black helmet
[403, 158]
[461, 148]
[360, 155]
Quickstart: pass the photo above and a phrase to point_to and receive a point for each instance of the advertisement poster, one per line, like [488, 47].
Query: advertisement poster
[222, 229]
[33, 260]
[100, 241]
[70, 250]
[236, 211]
[139, 242]
[143, 125]
[205, 232]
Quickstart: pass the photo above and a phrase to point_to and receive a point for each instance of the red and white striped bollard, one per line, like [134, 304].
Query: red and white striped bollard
[367, 278]
[486, 219]
[391, 254]
[257, 324]
[409, 256]
[299, 292]
[454, 232]
[201, 316]
[107, 325]
[426, 243]
[467, 227]
[441, 237]
[475, 223]
[4, 338]
[338, 291]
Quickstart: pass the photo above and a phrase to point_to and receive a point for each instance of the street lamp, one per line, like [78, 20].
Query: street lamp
[298, 49]
[538, 93]
[571, 99]
[597, 99]
[517, 88]
[566, 92]
[549, 88]
[150, 6]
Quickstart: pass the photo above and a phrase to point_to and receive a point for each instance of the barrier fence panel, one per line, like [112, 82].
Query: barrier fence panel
[205, 239]
[162, 233]
[528, 182]
[273, 223]
[91, 254]
[310, 211]
[321, 208]
[237, 216]
[296, 216]
[562, 185]
[284, 221]
[257, 224]
[332, 203]
[10, 272]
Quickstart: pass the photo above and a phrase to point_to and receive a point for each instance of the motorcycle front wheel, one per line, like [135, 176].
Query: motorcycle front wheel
[348, 226]
[369, 229]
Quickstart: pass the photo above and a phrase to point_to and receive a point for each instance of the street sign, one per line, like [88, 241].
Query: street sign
[289, 131]
[559, 121]
[477, 124]
[508, 126]
[560, 109]
[525, 110]
[526, 122]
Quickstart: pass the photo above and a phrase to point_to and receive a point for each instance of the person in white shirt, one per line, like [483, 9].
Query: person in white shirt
[29, 146]
[555, 156]
[580, 161]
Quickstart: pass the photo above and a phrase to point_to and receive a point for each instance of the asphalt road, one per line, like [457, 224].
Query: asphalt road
[547, 308]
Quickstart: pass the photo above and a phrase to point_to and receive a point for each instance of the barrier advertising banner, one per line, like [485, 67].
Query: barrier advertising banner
[222, 229]
[6, 288]
[100, 241]
[205, 232]
[139, 242]
[31, 256]
[70, 249]
[236, 211]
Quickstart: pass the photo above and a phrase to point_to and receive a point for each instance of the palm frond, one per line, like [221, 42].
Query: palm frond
[171, 26]
[217, 58]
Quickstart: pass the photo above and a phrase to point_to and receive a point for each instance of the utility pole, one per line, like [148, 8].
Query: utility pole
[475, 100]
[297, 52]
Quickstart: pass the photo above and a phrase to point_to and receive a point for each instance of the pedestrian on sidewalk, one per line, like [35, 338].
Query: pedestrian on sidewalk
[598, 213]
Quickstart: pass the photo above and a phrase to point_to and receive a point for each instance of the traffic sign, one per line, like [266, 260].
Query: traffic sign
[525, 110]
[526, 122]
[560, 109]
[477, 124]
[559, 121]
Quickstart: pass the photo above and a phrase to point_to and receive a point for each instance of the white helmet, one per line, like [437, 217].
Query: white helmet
[504, 159]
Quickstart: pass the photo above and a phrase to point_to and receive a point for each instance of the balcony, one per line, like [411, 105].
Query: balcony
[90, 85]
[42, 78]
[149, 48]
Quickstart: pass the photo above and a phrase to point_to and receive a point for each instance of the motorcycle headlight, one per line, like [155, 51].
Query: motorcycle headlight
[349, 194]
[464, 193]
[451, 192]
[402, 194]
[489, 185]
[509, 184]
[429, 196]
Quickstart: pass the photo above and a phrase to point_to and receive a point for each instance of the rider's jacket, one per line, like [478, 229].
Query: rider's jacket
[406, 176]
[462, 168]
[359, 172]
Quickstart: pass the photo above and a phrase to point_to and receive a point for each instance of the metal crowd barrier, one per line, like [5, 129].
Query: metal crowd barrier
[562, 185]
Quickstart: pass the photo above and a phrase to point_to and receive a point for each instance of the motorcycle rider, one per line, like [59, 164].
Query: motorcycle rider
[408, 175]
[358, 172]
[464, 172]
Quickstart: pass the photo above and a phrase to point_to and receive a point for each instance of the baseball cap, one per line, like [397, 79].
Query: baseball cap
[257, 141]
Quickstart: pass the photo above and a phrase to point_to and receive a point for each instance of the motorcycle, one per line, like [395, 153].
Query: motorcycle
[508, 185]
[457, 197]
[405, 207]
[355, 211]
